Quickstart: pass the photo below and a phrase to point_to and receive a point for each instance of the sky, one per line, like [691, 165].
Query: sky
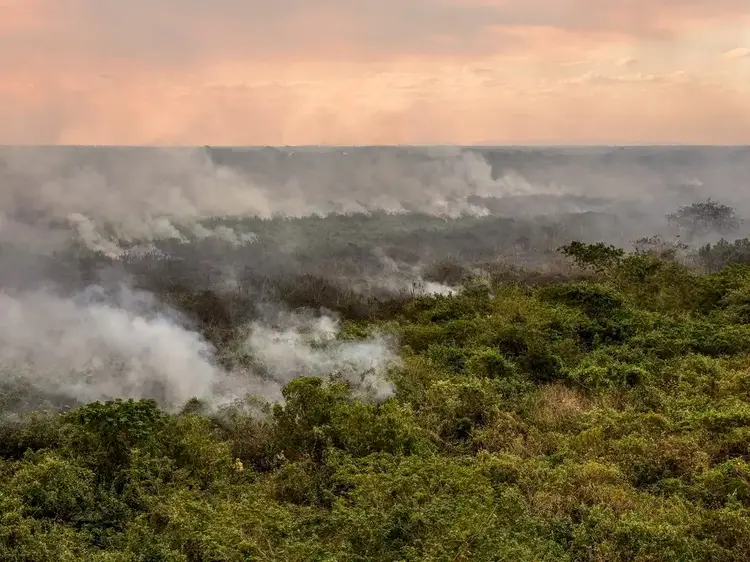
[341, 72]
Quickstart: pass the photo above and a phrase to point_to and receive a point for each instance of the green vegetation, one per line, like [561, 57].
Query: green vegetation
[704, 217]
[601, 418]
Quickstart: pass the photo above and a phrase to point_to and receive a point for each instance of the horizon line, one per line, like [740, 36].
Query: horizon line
[360, 146]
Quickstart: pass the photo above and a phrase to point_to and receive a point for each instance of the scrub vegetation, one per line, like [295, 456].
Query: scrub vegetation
[600, 413]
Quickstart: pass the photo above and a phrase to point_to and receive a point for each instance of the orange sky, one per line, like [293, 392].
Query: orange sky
[374, 71]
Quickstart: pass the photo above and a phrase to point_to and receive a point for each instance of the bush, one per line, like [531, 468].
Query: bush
[599, 257]
[605, 418]
[705, 217]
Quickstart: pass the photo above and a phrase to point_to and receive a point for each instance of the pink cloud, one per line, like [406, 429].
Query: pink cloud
[178, 32]
[738, 53]
[290, 71]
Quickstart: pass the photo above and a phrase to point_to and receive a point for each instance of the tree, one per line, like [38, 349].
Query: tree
[705, 217]
[600, 257]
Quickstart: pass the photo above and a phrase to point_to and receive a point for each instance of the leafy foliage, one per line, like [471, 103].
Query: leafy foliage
[705, 217]
[715, 257]
[598, 257]
[604, 419]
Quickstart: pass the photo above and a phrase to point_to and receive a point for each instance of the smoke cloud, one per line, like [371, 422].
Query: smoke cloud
[89, 348]
[98, 345]
[78, 333]
[302, 345]
[133, 194]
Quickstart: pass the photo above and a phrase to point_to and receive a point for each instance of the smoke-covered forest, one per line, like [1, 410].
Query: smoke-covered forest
[374, 354]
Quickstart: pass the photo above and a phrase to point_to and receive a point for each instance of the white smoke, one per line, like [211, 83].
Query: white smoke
[91, 349]
[157, 193]
[125, 344]
[142, 234]
[303, 345]
[399, 278]
[115, 195]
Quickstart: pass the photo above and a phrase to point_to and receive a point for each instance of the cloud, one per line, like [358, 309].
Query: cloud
[636, 78]
[635, 18]
[445, 104]
[174, 33]
[738, 53]
[332, 71]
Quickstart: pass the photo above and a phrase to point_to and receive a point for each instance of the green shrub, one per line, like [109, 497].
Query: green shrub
[54, 488]
[606, 418]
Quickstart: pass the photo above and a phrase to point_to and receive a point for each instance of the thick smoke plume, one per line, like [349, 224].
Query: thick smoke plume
[125, 344]
[301, 344]
[73, 218]
[139, 195]
[88, 347]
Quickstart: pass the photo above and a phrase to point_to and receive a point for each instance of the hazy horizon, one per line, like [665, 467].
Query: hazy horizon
[478, 145]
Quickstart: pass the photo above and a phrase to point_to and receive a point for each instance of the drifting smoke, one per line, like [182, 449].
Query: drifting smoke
[302, 345]
[85, 343]
[132, 194]
[89, 347]
[114, 201]
[402, 278]
[97, 346]
[115, 198]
